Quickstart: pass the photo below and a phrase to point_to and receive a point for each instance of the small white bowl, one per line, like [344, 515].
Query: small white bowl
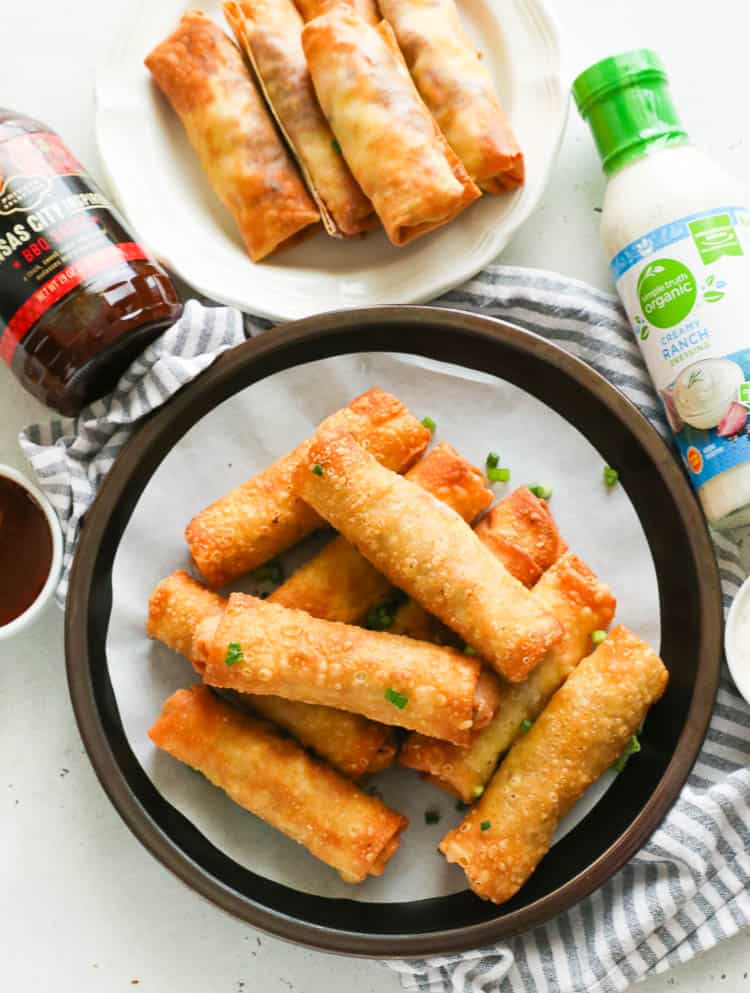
[34, 609]
[738, 655]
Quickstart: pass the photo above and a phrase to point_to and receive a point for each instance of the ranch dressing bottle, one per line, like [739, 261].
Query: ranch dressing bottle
[677, 233]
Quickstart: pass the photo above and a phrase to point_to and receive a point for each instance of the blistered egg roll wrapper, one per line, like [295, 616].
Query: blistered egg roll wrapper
[270, 34]
[264, 516]
[339, 584]
[429, 552]
[203, 75]
[455, 84]
[271, 776]
[582, 604]
[261, 647]
[351, 743]
[577, 738]
[367, 9]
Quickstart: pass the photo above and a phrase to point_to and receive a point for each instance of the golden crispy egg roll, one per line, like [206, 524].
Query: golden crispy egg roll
[388, 137]
[260, 647]
[351, 743]
[270, 33]
[339, 584]
[428, 551]
[264, 516]
[272, 777]
[204, 77]
[577, 738]
[367, 9]
[454, 83]
[582, 604]
[519, 531]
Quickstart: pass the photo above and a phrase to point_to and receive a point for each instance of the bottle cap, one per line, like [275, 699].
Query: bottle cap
[626, 101]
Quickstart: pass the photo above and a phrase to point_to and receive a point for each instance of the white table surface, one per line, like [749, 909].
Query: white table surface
[83, 906]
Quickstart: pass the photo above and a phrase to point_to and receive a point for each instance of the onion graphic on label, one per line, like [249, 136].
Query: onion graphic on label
[705, 391]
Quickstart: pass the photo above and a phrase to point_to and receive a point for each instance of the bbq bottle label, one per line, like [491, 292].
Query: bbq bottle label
[57, 231]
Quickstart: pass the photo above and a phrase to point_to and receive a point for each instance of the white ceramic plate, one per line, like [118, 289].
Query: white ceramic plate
[158, 183]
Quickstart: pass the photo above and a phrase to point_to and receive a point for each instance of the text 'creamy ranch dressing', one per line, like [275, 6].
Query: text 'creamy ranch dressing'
[677, 232]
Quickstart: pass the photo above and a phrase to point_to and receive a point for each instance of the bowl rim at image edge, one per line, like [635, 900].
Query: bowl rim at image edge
[445, 335]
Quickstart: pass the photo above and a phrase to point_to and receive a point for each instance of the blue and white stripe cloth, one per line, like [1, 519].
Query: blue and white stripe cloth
[687, 889]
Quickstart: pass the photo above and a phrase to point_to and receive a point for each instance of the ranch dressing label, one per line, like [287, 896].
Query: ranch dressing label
[686, 289]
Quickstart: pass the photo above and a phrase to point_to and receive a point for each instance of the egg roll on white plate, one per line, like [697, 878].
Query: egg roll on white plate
[349, 742]
[388, 137]
[367, 9]
[260, 647]
[270, 34]
[204, 77]
[427, 551]
[456, 86]
[581, 733]
[272, 777]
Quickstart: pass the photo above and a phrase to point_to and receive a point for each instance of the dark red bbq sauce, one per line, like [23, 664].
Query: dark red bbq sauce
[25, 550]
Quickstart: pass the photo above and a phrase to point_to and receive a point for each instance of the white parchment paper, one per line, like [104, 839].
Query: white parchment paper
[475, 412]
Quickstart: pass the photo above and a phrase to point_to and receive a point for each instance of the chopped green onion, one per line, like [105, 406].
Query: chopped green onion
[543, 492]
[234, 653]
[598, 636]
[610, 476]
[432, 816]
[461, 806]
[399, 700]
[498, 475]
[468, 650]
[379, 618]
[317, 469]
[429, 424]
[493, 460]
[271, 572]
[485, 825]
[632, 748]
[526, 725]
[478, 791]
[336, 147]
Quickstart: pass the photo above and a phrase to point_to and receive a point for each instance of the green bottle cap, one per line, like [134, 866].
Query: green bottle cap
[626, 101]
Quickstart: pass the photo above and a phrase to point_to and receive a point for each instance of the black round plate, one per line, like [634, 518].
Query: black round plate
[691, 623]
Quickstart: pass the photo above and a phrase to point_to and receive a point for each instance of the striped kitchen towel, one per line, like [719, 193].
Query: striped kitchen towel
[686, 889]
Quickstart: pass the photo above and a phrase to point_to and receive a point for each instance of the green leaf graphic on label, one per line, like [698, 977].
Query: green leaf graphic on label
[667, 292]
[715, 236]
[743, 393]
[713, 296]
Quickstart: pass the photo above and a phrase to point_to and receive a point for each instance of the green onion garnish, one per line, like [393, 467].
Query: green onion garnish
[234, 653]
[493, 460]
[632, 748]
[498, 475]
[336, 147]
[478, 791]
[610, 476]
[432, 816]
[526, 725]
[598, 637]
[485, 825]
[379, 618]
[271, 572]
[429, 424]
[543, 492]
[317, 469]
[468, 650]
[399, 700]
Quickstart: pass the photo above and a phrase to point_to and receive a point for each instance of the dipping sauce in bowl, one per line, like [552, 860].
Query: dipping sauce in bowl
[30, 550]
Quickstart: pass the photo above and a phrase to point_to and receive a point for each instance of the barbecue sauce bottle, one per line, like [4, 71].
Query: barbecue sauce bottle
[79, 298]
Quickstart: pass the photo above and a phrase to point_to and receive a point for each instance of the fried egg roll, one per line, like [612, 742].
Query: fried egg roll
[339, 584]
[367, 9]
[521, 532]
[261, 647]
[349, 742]
[582, 604]
[388, 137]
[429, 552]
[204, 77]
[270, 34]
[577, 738]
[264, 516]
[454, 83]
[272, 777]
